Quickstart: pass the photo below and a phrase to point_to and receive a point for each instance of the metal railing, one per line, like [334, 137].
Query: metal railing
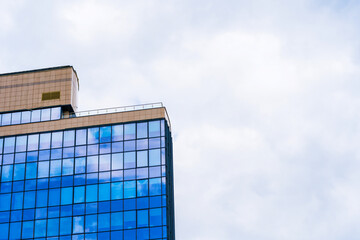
[116, 110]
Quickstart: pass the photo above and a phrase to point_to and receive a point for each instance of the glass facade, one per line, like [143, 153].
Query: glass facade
[103, 182]
[30, 116]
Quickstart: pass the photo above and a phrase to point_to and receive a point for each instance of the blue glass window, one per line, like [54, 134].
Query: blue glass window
[19, 171]
[69, 138]
[129, 145]
[93, 135]
[55, 168]
[53, 227]
[142, 173]
[78, 224]
[56, 139]
[5, 202]
[17, 200]
[68, 166]
[35, 116]
[142, 158]
[141, 130]
[155, 217]
[142, 188]
[105, 134]
[129, 219]
[105, 162]
[31, 169]
[117, 133]
[129, 131]
[105, 148]
[45, 140]
[104, 192]
[129, 189]
[40, 228]
[90, 223]
[4, 231]
[21, 142]
[33, 142]
[32, 156]
[80, 165]
[7, 173]
[56, 113]
[92, 164]
[79, 194]
[65, 226]
[15, 118]
[68, 152]
[66, 195]
[80, 136]
[104, 220]
[155, 186]
[45, 114]
[154, 129]
[25, 116]
[154, 172]
[29, 199]
[117, 189]
[9, 145]
[117, 147]
[14, 230]
[44, 155]
[28, 229]
[6, 119]
[43, 170]
[143, 218]
[117, 161]
[117, 221]
[129, 160]
[41, 198]
[91, 193]
[54, 197]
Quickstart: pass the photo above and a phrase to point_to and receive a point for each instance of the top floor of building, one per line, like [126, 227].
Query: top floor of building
[46, 99]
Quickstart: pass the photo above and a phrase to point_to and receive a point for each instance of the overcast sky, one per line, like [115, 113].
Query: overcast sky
[263, 96]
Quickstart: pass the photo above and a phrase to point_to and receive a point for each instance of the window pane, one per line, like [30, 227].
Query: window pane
[79, 194]
[117, 133]
[21, 143]
[78, 224]
[25, 117]
[105, 162]
[92, 164]
[117, 161]
[55, 113]
[66, 195]
[93, 135]
[29, 199]
[129, 130]
[19, 172]
[155, 186]
[143, 218]
[104, 192]
[5, 200]
[53, 227]
[80, 136]
[43, 170]
[54, 197]
[142, 188]
[65, 226]
[55, 168]
[35, 115]
[116, 190]
[155, 217]
[6, 119]
[90, 223]
[129, 219]
[28, 229]
[45, 140]
[129, 189]
[116, 221]
[7, 173]
[129, 160]
[154, 157]
[141, 130]
[104, 220]
[31, 169]
[9, 145]
[91, 193]
[105, 134]
[80, 165]
[154, 129]
[33, 142]
[69, 138]
[142, 158]
[45, 114]
[15, 118]
[56, 140]
[14, 230]
[68, 166]
[41, 198]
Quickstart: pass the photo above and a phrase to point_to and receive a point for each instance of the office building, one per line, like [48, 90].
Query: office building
[65, 174]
